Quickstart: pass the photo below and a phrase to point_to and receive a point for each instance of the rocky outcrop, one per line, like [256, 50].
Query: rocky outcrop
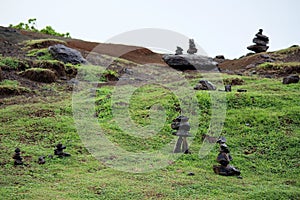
[190, 62]
[260, 41]
[66, 54]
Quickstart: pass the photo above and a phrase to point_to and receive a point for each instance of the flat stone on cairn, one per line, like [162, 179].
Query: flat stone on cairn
[59, 151]
[17, 157]
[260, 41]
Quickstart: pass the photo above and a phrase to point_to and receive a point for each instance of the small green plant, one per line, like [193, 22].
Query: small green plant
[40, 54]
[109, 75]
[12, 63]
[9, 82]
[31, 26]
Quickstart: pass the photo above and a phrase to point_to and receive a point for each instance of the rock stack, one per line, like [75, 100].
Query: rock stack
[223, 159]
[192, 47]
[260, 41]
[178, 51]
[182, 127]
[59, 151]
[17, 157]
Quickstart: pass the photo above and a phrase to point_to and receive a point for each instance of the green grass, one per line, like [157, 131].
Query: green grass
[44, 51]
[289, 50]
[12, 63]
[41, 43]
[264, 121]
[9, 82]
[279, 65]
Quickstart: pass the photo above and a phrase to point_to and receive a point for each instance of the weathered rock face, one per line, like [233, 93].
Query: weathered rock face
[260, 41]
[205, 85]
[66, 54]
[190, 62]
[290, 79]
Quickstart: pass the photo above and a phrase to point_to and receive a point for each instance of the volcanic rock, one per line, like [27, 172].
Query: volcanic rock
[66, 54]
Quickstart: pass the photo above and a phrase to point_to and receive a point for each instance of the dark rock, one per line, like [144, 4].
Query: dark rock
[250, 54]
[40, 54]
[268, 76]
[205, 85]
[265, 56]
[190, 62]
[220, 57]
[66, 54]
[191, 174]
[41, 160]
[258, 48]
[227, 88]
[226, 171]
[178, 51]
[259, 42]
[17, 157]
[269, 60]
[291, 79]
[241, 90]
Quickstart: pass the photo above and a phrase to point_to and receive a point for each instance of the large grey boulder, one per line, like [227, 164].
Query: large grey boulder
[290, 79]
[190, 62]
[66, 54]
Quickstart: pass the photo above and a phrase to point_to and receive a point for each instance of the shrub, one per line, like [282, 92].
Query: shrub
[31, 26]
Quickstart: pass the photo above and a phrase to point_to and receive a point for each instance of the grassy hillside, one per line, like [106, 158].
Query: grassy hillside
[262, 128]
